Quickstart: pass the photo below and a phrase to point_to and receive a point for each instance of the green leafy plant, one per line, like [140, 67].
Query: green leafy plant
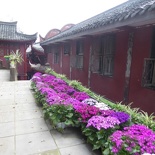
[14, 58]
[74, 83]
[40, 98]
[33, 86]
[97, 138]
[57, 113]
[7, 57]
[148, 120]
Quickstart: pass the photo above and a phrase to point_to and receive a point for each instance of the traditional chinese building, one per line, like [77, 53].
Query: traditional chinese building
[11, 40]
[112, 53]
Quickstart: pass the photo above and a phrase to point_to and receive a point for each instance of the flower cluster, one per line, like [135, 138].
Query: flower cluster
[86, 111]
[102, 106]
[121, 116]
[54, 99]
[106, 113]
[135, 137]
[100, 122]
[90, 101]
[80, 96]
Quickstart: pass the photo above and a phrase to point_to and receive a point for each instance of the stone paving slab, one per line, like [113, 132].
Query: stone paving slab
[6, 102]
[51, 152]
[70, 137]
[5, 75]
[7, 108]
[6, 117]
[24, 115]
[76, 150]
[25, 106]
[29, 126]
[7, 129]
[7, 146]
[23, 131]
[34, 142]
[24, 100]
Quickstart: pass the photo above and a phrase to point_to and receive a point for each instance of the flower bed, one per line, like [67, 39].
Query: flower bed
[106, 126]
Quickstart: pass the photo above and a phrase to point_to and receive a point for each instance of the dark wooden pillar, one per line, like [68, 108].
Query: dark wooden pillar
[128, 66]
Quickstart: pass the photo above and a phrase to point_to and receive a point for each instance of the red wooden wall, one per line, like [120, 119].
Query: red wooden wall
[141, 97]
[110, 86]
[81, 74]
[113, 87]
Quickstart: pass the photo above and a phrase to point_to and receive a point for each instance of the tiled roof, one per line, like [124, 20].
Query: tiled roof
[125, 11]
[8, 31]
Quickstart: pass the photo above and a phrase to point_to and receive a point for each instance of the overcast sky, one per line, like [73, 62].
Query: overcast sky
[43, 15]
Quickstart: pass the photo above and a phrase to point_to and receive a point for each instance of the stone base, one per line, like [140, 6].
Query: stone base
[22, 77]
[13, 74]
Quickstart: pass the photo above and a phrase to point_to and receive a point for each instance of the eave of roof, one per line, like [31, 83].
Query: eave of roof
[35, 47]
[8, 32]
[125, 14]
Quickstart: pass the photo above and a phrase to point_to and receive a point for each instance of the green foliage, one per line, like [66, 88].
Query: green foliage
[57, 113]
[40, 98]
[147, 120]
[74, 83]
[16, 57]
[97, 138]
[33, 86]
[7, 57]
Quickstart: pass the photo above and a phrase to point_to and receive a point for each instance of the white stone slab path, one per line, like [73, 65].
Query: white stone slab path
[23, 130]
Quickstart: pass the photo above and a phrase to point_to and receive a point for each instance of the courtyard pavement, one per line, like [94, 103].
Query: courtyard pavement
[23, 130]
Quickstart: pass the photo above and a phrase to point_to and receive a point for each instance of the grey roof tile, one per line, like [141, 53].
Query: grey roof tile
[8, 32]
[122, 12]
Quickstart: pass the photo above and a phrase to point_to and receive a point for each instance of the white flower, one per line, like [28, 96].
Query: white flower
[90, 101]
[102, 106]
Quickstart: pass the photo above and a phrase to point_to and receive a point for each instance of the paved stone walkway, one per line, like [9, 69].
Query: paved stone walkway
[23, 131]
[4, 75]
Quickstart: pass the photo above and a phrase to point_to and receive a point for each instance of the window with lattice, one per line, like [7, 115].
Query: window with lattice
[148, 79]
[79, 53]
[67, 49]
[56, 52]
[103, 55]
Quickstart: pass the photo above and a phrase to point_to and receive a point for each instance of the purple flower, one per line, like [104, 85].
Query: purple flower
[47, 91]
[64, 96]
[100, 122]
[70, 90]
[39, 85]
[80, 96]
[106, 113]
[86, 111]
[135, 136]
[59, 81]
[60, 88]
[53, 99]
[36, 79]
[121, 116]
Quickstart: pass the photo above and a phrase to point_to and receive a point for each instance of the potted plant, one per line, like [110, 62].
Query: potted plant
[14, 58]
